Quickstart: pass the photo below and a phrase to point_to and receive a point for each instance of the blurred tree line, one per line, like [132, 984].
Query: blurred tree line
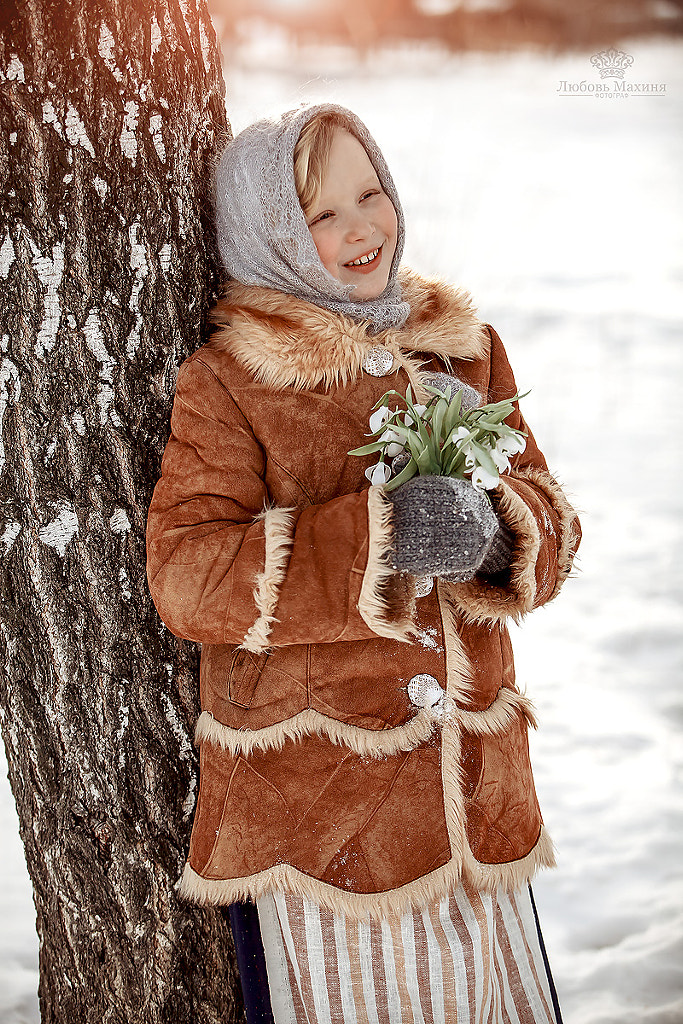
[460, 25]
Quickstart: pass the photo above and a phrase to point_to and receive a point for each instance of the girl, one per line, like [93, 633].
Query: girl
[365, 777]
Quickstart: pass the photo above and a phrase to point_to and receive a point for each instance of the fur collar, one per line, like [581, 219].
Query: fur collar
[284, 341]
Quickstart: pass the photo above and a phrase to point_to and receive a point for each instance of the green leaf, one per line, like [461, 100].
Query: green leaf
[401, 430]
[455, 466]
[416, 448]
[453, 416]
[484, 457]
[446, 393]
[369, 449]
[408, 471]
[440, 410]
[424, 463]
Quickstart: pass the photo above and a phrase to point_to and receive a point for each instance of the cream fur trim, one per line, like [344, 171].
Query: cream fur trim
[458, 668]
[370, 906]
[514, 873]
[356, 906]
[372, 606]
[287, 342]
[365, 742]
[479, 602]
[569, 535]
[497, 717]
[278, 537]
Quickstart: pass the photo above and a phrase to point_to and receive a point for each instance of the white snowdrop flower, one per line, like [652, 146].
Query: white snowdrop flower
[461, 433]
[470, 458]
[501, 460]
[408, 419]
[482, 480]
[510, 445]
[379, 418]
[394, 445]
[378, 474]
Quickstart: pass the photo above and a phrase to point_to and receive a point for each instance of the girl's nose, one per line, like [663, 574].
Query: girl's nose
[358, 227]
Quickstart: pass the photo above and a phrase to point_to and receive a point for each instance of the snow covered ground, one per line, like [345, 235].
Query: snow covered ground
[562, 214]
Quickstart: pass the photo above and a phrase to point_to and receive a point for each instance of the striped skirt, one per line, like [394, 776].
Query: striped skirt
[472, 958]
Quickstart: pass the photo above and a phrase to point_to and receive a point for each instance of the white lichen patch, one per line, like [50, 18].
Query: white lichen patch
[100, 186]
[124, 582]
[10, 390]
[51, 449]
[60, 530]
[10, 534]
[185, 751]
[75, 131]
[206, 47]
[156, 35]
[50, 117]
[123, 725]
[138, 264]
[105, 403]
[155, 123]
[94, 339]
[106, 47]
[7, 256]
[165, 257]
[12, 138]
[15, 70]
[119, 522]
[79, 423]
[129, 142]
[49, 272]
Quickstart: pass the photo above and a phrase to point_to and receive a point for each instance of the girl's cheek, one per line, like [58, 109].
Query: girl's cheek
[326, 252]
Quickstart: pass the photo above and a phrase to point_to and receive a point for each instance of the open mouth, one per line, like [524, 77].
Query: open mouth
[368, 261]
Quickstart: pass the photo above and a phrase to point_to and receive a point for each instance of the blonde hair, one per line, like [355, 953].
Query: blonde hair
[312, 153]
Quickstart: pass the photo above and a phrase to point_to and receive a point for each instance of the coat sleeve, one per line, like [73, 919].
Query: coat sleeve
[224, 566]
[533, 506]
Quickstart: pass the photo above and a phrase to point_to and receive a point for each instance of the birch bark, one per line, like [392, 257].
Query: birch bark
[110, 116]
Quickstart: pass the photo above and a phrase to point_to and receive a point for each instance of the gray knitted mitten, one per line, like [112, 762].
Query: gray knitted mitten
[470, 397]
[444, 527]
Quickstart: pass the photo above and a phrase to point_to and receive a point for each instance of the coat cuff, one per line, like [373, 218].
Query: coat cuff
[278, 530]
[532, 506]
[387, 598]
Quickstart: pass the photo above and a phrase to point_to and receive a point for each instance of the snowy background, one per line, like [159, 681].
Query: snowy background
[562, 214]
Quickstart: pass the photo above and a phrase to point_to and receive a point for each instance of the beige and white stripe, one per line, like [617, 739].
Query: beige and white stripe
[470, 958]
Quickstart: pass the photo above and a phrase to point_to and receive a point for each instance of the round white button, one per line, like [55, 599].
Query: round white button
[424, 690]
[378, 361]
[423, 585]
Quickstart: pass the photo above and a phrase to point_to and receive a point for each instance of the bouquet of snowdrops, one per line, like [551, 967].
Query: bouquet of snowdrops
[440, 439]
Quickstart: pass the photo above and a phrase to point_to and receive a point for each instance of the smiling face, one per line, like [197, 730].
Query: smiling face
[352, 220]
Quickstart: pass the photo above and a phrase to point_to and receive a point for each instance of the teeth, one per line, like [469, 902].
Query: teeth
[364, 259]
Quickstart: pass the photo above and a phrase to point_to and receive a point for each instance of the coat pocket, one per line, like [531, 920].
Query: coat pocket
[245, 672]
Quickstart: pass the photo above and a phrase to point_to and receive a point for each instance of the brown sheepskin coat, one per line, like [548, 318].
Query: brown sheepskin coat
[267, 546]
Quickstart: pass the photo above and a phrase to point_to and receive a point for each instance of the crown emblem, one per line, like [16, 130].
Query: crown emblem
[611, 63]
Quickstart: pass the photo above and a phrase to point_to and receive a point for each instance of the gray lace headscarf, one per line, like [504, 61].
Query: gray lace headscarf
[262, 233]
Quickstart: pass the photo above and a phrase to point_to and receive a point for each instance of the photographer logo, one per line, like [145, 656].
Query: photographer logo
[612, 65]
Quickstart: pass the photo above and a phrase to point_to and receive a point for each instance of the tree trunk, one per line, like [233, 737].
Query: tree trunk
[111, 114]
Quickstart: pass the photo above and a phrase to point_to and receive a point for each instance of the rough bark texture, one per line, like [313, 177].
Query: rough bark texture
[110, 117]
